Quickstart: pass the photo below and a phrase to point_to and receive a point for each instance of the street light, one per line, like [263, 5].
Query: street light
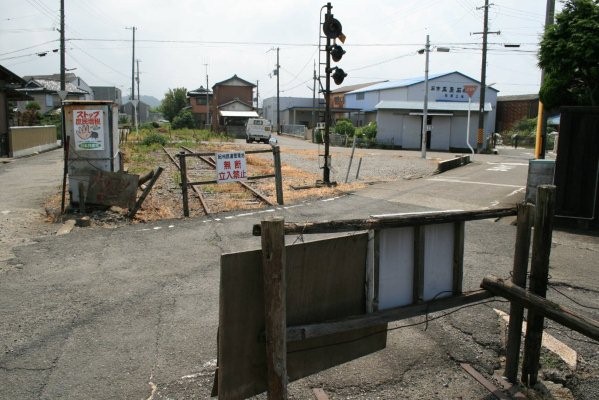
[425, 107]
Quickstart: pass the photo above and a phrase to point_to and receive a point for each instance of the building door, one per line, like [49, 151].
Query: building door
[429, 127]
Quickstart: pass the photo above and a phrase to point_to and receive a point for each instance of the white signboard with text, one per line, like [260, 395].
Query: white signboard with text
[88, 126]
[231, 167]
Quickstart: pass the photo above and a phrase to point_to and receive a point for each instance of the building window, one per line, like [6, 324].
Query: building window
[359, 96]
[49, 101]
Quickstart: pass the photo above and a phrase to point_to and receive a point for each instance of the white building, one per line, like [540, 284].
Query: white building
[397, 106]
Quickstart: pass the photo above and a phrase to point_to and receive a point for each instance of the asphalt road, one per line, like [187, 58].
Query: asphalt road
[132, 312]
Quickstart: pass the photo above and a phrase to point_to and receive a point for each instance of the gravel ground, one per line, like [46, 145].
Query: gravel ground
[375, 165]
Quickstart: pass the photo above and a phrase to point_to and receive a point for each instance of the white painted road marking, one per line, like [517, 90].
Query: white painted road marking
[564, 352]
[475, 183]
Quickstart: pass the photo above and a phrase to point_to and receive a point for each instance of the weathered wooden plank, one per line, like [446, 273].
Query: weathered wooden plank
[273, 273]
[303, 332]
[542, 306]
[154, 177]
[184, 183]
[391, 222]
[276, 152]
[315, 293]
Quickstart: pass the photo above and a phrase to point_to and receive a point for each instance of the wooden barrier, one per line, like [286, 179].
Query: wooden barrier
[185, 183]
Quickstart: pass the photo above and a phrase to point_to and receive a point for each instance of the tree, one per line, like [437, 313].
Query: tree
[174, 101]
[184, 120]
[344, 127]
[569, 54]
[31, 115]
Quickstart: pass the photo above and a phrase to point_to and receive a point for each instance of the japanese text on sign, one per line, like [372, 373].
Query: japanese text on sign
[88, 128]
[448, 91]
[231, 167]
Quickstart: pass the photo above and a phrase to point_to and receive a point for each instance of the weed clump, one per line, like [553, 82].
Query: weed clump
[154, 138]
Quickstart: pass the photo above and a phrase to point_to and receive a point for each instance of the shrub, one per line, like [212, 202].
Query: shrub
[345, 127]
[184, 120]
[370, 130]
[154, 138]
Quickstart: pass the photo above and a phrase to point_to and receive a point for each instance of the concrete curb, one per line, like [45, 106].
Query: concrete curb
[456, 162]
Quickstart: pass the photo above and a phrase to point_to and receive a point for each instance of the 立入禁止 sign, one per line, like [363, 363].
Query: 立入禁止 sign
[88, 128]
[231, 167]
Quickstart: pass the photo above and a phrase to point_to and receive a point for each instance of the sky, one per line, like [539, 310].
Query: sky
[179, 42]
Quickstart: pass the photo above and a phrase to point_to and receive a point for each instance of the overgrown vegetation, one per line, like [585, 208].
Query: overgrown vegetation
[174, 101]
[525, 130]
[154, 138]
[344, 127]
[184, 120]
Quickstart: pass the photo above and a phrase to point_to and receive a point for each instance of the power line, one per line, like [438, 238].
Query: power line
[29, 47]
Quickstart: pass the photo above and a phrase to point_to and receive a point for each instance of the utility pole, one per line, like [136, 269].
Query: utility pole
[137, 79]
[257, 95]
[132, 96]
[207, 97]
[427, 48]
[62, 50]
[483, 86]
[541, 137]
[278, 98]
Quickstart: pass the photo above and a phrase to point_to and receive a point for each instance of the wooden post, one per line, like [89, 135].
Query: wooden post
[351, 158]
[539, 273]
[184, 188]
[276, 152]
[155, 176]
[358, 170]
[273, 264]
[512, 351]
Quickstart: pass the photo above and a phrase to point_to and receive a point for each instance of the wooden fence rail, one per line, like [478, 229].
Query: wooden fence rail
[186, 184]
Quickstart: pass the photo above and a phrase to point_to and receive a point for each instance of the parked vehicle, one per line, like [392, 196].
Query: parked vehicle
[257, 129]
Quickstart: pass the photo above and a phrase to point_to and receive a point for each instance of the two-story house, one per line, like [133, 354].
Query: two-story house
[232, 104]
[44, 89]
[199, 101]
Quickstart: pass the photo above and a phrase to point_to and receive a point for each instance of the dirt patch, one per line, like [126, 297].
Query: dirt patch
[165, 199]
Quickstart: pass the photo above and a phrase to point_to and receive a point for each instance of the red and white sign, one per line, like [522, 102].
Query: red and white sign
[231, 167]
[470, 89]
[88, 126]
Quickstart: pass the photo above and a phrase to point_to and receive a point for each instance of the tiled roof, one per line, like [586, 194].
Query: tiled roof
[48, 85]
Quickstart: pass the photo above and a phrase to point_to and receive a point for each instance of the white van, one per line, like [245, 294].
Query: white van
[257, 129]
